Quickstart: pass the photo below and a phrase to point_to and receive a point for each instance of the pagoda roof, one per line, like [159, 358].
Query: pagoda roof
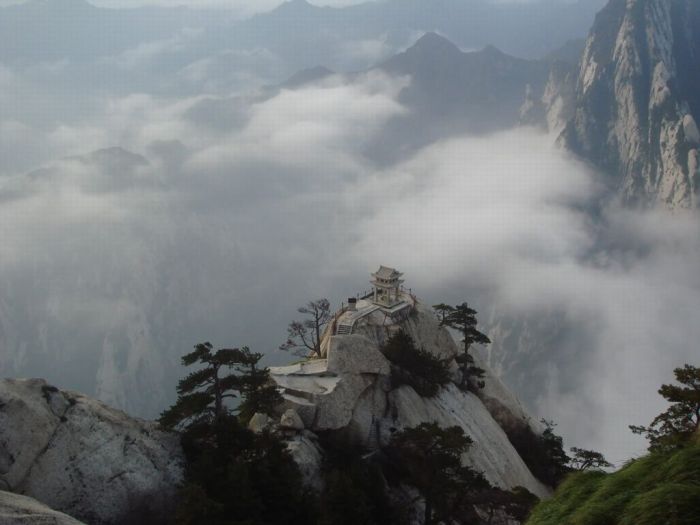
[385, 272]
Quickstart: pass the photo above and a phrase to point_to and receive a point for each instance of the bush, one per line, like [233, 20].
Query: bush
[355, 489]
[658, 488]
[543, 454]
[415, 367]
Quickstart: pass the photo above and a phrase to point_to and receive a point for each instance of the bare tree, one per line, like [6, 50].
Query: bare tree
[304, 337]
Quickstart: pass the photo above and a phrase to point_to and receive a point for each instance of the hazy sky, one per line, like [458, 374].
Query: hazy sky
[122, 262]
[241, 5]
[226, 208]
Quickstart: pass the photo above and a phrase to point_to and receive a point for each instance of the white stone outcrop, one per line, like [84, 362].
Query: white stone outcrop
[351, 391]
[22, 510]
[355, 354]
[290, 420]
[259, 422]
[491, 453]
[308, 455]
[325, 392]
[81, 457]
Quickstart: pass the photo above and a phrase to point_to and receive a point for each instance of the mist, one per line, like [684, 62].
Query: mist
[138, 219]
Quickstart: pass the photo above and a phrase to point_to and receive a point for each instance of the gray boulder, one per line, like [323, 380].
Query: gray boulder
[22, 510]
[259, 422]
[82, 457]
[291, 421]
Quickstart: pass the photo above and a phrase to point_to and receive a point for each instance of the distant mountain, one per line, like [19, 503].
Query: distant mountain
[482, 89]
[570, 53]
[529, 29]
[448, 92]
[552, 108]
[47, 30]
[300, 34]
[454, 92]
[638, 100]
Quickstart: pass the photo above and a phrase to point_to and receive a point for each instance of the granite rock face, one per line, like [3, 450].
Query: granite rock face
[492, 454]
[351, 391]
[81, 457]
[638, 101]
[22, 510]
[553, 107]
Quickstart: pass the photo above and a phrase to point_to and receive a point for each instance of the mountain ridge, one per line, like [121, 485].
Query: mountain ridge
[638, 101]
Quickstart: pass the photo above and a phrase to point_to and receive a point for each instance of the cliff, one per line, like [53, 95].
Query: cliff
[638, 101]
[82, 457]
[101, 466]
[351, 391]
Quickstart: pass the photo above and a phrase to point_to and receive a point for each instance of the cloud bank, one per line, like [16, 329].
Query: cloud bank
[182, 228]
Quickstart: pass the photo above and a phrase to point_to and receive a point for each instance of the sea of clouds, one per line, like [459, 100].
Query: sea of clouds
[134, 226]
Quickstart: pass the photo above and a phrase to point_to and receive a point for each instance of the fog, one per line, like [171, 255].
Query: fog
[136, 225]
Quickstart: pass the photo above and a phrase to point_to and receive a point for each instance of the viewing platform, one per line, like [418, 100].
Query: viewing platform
[387, 297]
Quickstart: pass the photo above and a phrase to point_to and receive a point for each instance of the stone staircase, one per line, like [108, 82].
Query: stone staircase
[343, 329]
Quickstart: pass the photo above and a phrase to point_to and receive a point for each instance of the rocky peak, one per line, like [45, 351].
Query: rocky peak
[432, 44]
[351, 391]
[294, 8]
[638, 100]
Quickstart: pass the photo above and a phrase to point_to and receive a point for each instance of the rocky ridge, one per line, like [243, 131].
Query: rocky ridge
[81, 457]
[638, 101]
[101, 466]
[351, 391]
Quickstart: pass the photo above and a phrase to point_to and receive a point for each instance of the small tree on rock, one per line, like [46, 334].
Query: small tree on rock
[414, 366]
[232, 475]
[304, 337]
[441, 311]
[258, 392]
[681, 420]
[557, 459]
[588, 459]
[202, 394]
[225, 374]
[430, 457]
[463, 319]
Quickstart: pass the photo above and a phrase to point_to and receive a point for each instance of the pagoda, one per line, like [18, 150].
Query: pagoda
[386, 287]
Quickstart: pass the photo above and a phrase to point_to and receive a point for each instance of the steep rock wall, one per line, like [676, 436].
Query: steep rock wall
[81, 457]
[351, 391]
[638, 101]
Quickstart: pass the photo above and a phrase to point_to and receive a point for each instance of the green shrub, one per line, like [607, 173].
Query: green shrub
[542, 453]
[674, 503]
[656, 489]
[414, 366]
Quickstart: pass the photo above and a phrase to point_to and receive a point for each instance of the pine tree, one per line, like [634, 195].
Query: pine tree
[675, 426]
[463, 319]
[258, 392]
[232, 476]
[202, 394]
[414, 366]
[588, 459]
[430, 457]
